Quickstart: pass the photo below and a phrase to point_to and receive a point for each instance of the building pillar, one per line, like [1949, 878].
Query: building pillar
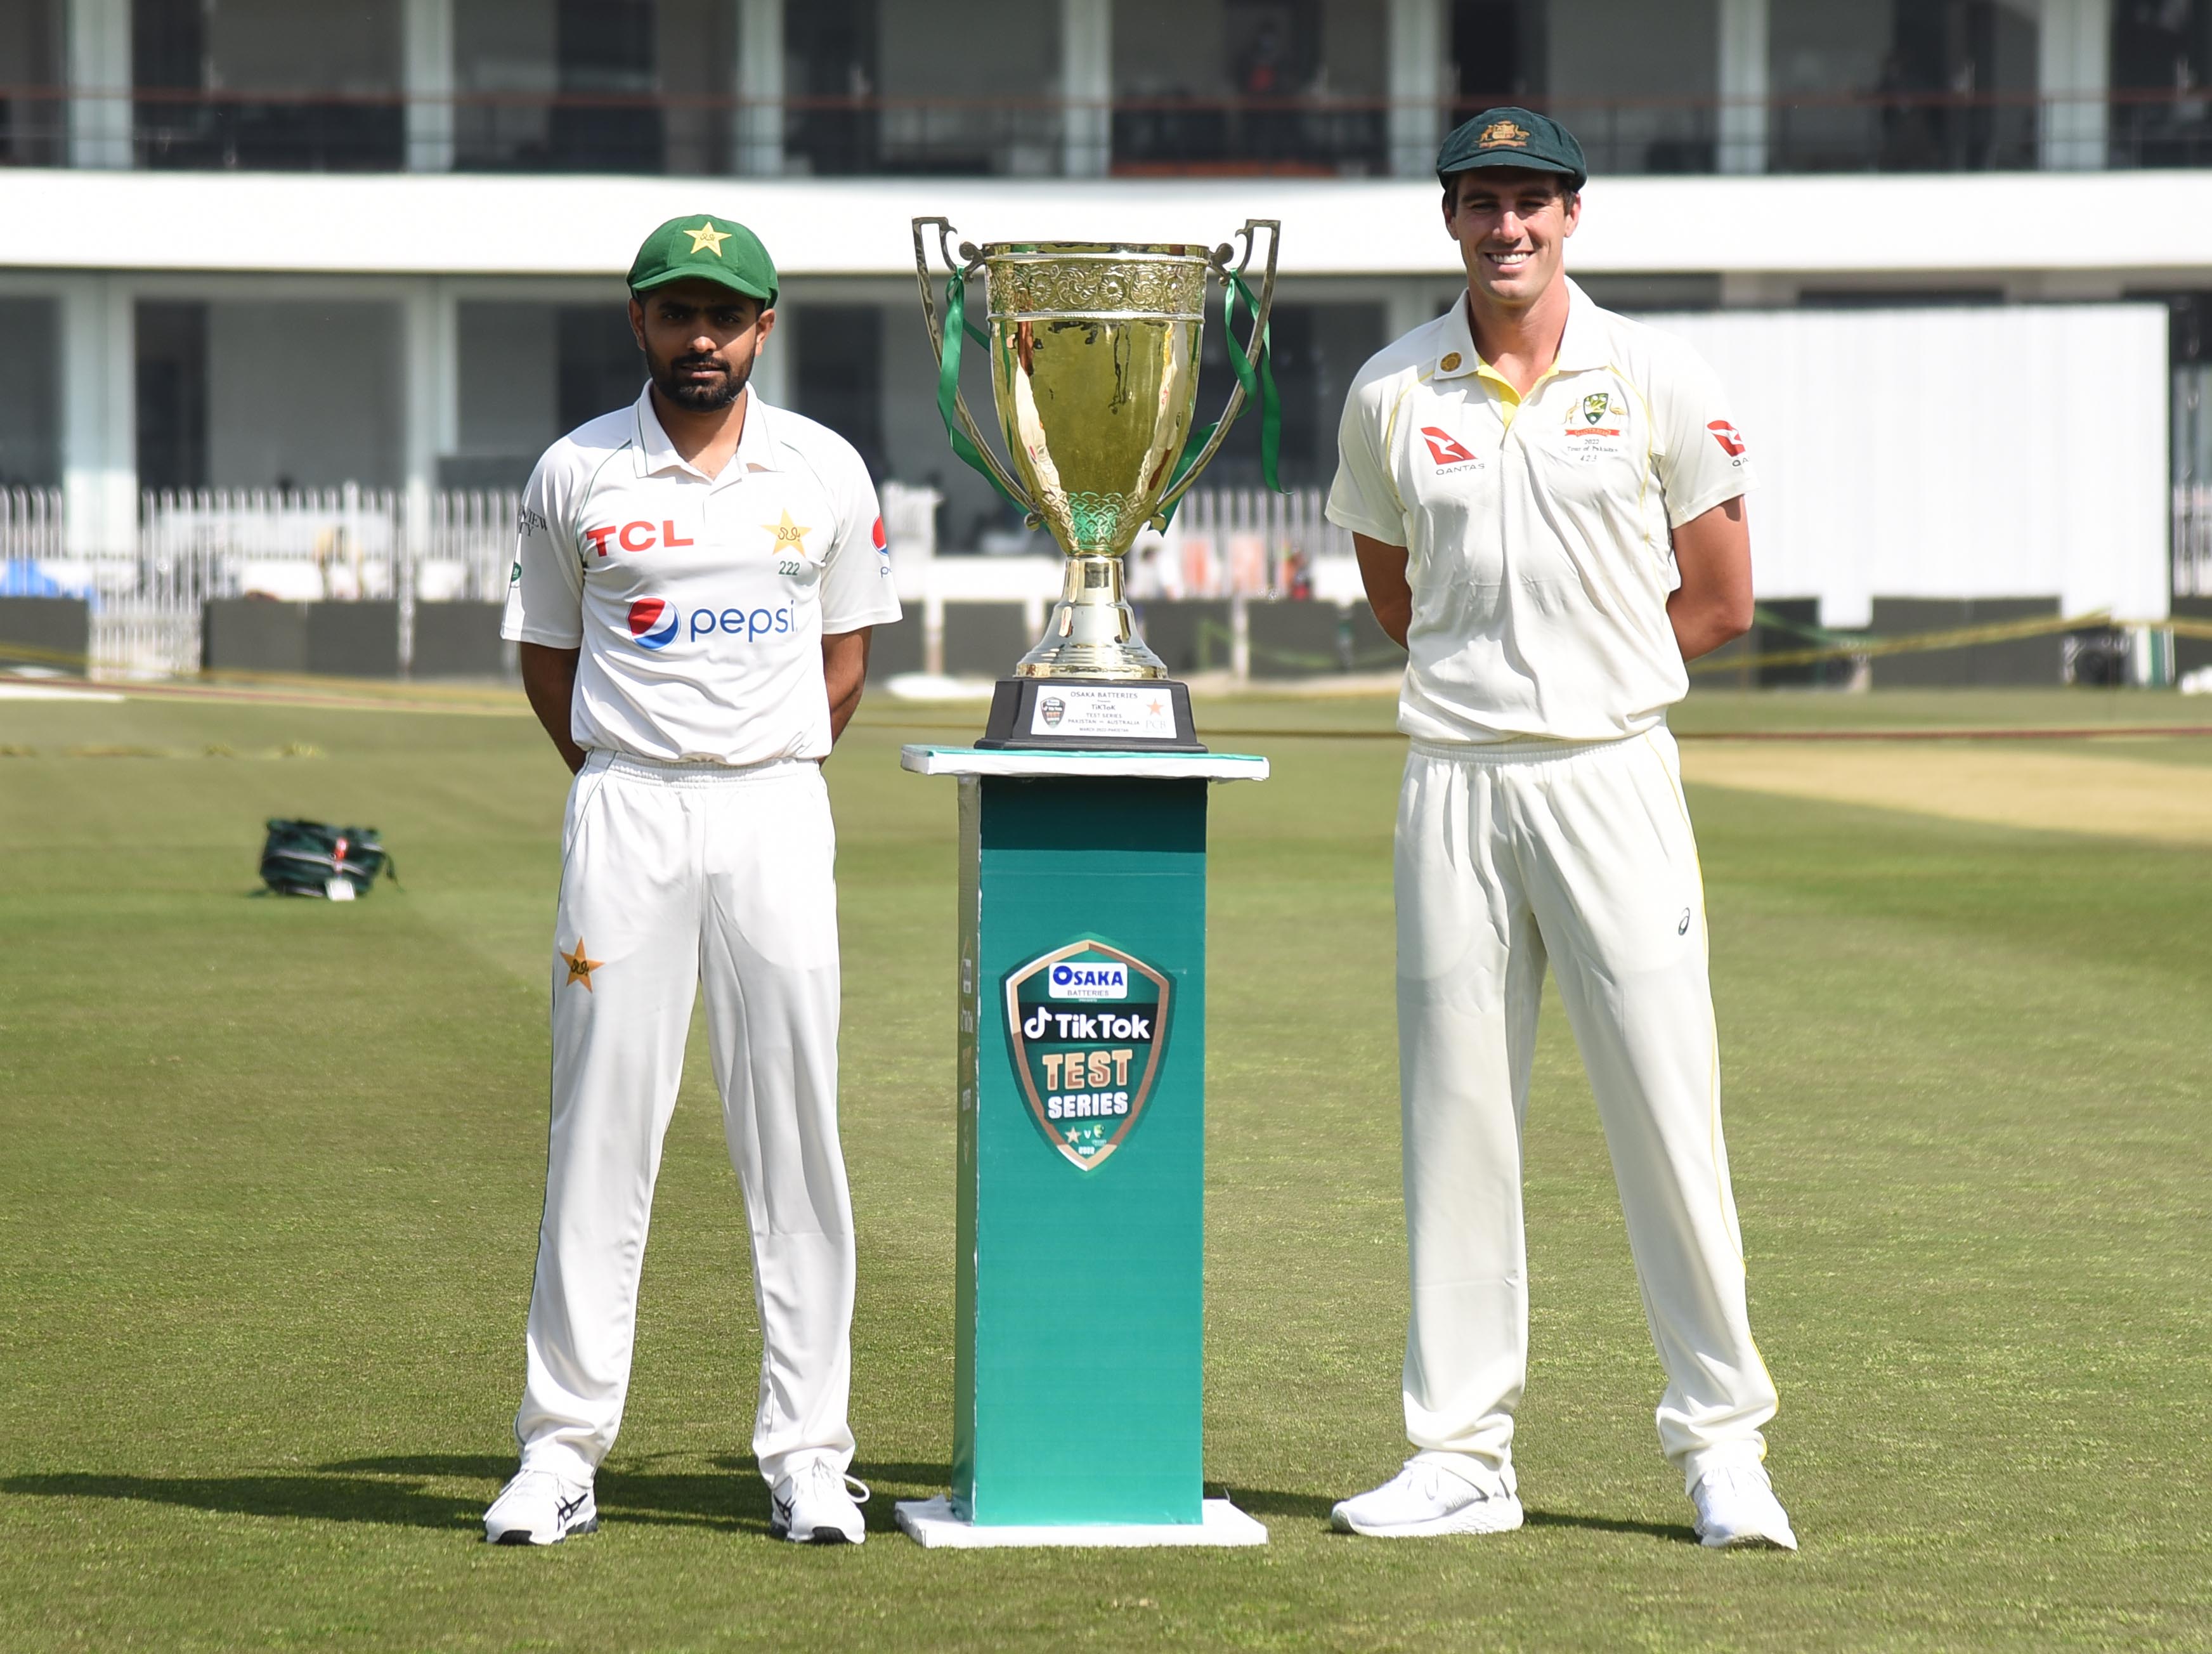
[1745, 85]
[1086, 87]
[98, 35]
[426, 55]
[430, 350]
[1420, 85]
[99, 458]
[2073, 74]
[759, 130]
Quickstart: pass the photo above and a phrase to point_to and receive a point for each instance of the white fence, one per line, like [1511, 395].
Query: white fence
[1247, 543]
[317, 544]
[2192, 539]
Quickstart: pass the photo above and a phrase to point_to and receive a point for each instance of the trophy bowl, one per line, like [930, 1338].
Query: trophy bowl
[1094, 352]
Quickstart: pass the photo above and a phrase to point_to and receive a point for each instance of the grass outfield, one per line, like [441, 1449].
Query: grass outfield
[270, 1172]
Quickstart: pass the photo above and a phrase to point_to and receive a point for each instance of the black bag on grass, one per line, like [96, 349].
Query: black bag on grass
[306, 858]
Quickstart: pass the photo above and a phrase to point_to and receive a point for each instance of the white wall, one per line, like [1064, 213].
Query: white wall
[303, 390]
[2152, 228]
[2005, 452]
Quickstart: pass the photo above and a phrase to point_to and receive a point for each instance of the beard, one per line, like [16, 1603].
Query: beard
[711, 396]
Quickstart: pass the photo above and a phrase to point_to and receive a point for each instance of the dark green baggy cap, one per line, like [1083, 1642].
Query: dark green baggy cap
[713, 249]
[1510, 137]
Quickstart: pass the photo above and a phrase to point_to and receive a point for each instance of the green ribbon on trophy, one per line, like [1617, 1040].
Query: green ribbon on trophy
[1254, 368]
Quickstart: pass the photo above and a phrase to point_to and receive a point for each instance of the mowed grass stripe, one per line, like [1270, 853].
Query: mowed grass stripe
[273, 1171]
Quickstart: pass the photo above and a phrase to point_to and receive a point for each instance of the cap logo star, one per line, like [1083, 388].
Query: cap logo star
[579, 967]
[707, 239]
[789, 534]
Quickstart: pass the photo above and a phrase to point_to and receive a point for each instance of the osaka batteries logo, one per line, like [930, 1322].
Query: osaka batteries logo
[655, 623]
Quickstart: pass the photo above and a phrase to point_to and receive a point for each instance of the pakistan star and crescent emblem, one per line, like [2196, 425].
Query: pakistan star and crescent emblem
[789, 536]
[579, 967]
[707, 239]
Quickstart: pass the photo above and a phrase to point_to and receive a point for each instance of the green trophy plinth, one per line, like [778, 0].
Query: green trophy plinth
[1081, 1089]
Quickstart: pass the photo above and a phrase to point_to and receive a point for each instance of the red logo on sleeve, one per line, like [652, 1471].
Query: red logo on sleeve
[879, 533]
[1731, 443]
[1444, 447]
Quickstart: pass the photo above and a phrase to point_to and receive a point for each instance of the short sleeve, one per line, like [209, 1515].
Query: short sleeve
[856, 574]
[1701, 457]
[546, 587]
[1364, 498]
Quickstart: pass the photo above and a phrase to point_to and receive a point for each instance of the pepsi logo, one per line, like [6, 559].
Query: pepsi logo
[655, 621]
[645, 616]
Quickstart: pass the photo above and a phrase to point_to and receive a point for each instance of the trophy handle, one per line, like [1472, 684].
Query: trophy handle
[999, 474]
[1252, 348]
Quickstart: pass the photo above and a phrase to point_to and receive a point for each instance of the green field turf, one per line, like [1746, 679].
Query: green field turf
[271, 1172]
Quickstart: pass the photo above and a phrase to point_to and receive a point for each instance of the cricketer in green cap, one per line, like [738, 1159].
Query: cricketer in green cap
[701, 305]
[1512, 136]
[713, 249]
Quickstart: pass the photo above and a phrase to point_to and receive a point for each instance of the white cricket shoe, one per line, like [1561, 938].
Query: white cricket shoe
[1427, 1497]
[1736, 1508]
[812, 1506]
[537, 1507]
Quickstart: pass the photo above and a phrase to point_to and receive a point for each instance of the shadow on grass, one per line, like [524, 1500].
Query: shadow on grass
[390, 1491]
[1314, 1507]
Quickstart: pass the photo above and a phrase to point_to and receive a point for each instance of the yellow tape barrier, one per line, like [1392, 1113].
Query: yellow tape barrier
[1912, 642]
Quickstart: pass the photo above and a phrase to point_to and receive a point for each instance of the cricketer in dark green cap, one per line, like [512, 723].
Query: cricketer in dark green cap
[1511, 137]
[713, 249]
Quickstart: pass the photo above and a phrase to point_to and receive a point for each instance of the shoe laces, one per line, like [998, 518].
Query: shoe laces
[817, 1473]
[1738, 1481]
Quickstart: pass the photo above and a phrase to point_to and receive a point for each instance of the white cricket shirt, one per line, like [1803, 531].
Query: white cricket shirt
[700, 602]
[1537, 528]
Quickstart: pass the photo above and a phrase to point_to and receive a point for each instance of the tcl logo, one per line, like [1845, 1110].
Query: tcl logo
[1444, 448]
[635, 537]
[1732, 443]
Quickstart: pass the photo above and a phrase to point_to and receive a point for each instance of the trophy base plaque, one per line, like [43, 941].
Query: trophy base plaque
[1093, 714]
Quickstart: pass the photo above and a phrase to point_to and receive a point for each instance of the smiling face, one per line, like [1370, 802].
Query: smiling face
[1512, 226]
[700, 341]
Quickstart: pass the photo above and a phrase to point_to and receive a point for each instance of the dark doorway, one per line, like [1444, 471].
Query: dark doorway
[839, 370]
[2161, 50]
[601, 368]
[829, 74]
[605, 52]
[1497, 53]
[172, 384]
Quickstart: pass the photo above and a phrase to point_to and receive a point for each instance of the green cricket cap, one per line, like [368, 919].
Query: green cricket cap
[1511, 137]
[713, 249]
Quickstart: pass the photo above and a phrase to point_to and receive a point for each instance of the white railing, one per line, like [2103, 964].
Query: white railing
[1246, 542]
[2192, 539]
[30, 532]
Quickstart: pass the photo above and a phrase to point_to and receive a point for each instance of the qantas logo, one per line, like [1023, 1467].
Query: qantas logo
[1444, 448]
[1731, 443]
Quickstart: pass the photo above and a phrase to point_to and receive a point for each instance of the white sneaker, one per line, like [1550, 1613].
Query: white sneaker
[537, 1507]
[1736, 1507]
[1427, 1497]
[812, 1506]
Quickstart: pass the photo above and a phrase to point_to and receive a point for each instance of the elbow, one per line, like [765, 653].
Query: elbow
[1734, 618]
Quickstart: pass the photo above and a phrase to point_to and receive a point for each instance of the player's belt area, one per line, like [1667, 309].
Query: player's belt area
[695, 774]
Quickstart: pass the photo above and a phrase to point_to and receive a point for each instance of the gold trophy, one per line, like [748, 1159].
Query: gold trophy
[1094, 349]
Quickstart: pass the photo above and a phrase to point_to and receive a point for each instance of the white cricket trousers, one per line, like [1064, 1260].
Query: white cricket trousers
[674, 877]
[1580, 855]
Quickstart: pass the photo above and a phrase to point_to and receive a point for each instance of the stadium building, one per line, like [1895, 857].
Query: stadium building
[291, 296]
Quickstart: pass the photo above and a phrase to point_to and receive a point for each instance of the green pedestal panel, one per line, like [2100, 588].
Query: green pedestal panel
[1079, 1294]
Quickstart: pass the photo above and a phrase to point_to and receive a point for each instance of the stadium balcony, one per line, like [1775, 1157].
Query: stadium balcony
[1311, 135]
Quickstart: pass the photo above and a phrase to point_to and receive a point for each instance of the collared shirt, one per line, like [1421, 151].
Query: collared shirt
[700, 602]
[1538, 529]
